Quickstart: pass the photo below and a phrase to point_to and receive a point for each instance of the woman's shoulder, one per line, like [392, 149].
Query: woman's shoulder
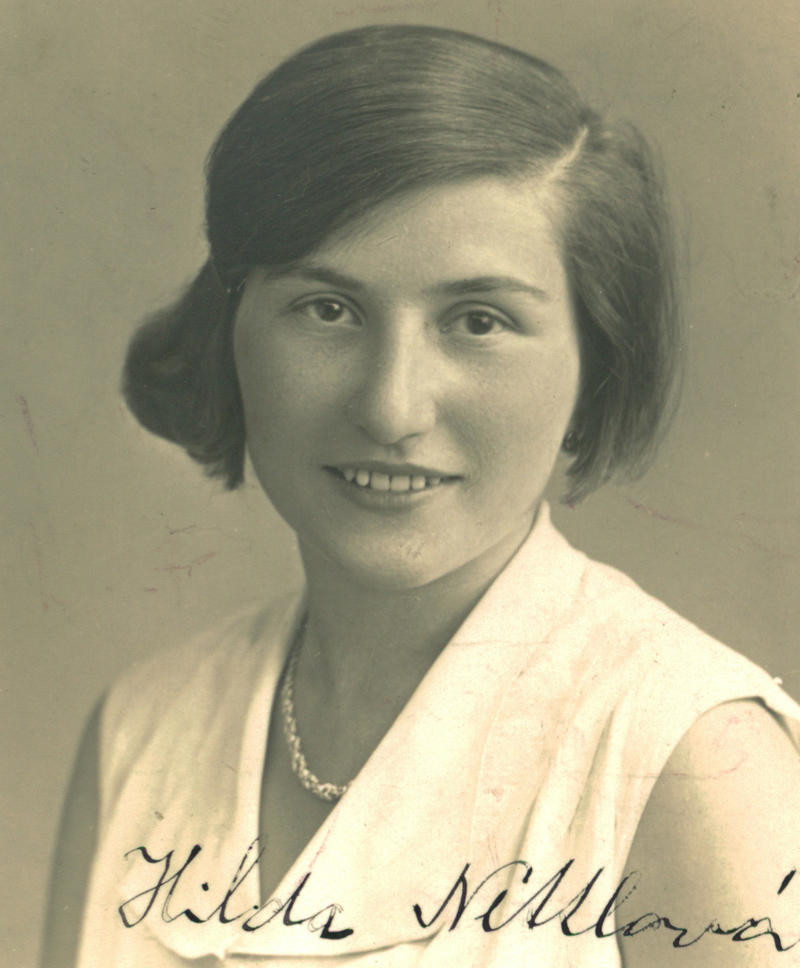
[170, 667]
[736, 774]
[654, 678]
[596, 599]
[643, 631]
[184, 683]
[623, 653]
[605, 646]
[615, 598]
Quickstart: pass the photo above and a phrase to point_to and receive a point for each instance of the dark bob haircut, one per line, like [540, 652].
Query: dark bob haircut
[359, 117]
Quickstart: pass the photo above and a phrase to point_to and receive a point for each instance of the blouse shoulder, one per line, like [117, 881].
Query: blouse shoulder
[660, 673]
[632, 675]
[166, 673]
[651, 637]
[177, 689]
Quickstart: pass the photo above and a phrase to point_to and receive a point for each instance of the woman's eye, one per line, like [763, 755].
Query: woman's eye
[478, 322]
[327, 311]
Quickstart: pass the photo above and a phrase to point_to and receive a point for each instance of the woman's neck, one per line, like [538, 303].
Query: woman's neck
[357, 631]
[365, 650]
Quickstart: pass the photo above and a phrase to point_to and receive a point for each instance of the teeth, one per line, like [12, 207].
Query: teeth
[397, 483]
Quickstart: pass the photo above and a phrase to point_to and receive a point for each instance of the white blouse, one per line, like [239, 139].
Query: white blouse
[522, 762]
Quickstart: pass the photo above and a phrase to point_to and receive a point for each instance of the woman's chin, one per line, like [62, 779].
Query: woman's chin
[393, 570]
[400, 564]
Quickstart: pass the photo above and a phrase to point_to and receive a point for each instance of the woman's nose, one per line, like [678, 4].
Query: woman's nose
[395, 395]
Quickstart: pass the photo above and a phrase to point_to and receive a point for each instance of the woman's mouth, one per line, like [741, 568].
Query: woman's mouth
[396, 483]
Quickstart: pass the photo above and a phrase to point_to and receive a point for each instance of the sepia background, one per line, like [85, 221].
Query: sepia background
[116, 546]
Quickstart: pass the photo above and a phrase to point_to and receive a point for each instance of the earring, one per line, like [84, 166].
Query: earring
[571, 442]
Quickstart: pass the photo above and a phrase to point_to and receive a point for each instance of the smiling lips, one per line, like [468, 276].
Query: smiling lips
[397, 483]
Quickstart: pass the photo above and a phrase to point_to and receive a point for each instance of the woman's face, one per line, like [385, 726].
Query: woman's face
[407, 387]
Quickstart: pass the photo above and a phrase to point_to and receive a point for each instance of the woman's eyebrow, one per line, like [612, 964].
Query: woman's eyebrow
[477, 284]
[318, 273]
[456, 287]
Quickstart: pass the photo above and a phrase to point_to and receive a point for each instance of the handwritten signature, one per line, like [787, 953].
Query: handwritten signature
[135, 909]
[533, 910]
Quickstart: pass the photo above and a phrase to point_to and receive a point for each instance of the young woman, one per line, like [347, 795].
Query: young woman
[434, 273]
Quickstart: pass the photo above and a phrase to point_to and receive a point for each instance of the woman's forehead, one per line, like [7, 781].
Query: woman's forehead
[444, 236]
[449, 202]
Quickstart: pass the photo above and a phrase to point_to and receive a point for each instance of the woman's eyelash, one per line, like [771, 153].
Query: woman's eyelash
[327, 309]
[480, 322]
[474, 321]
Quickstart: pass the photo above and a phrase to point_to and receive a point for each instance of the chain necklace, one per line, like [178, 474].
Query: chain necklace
[312, 783]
